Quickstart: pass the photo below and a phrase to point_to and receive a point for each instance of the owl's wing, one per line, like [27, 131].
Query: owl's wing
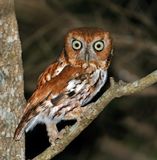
[47, 74]
[52, 70]
[53, 87]
[45, 82]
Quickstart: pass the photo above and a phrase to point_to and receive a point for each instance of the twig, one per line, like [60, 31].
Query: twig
[94, 109]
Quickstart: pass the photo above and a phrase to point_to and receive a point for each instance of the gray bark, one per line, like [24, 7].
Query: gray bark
[11, 83]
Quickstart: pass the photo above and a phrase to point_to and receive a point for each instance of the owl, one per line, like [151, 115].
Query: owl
[69, 83]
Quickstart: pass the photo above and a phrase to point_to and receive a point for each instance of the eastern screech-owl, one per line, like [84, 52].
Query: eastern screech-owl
[69, 83]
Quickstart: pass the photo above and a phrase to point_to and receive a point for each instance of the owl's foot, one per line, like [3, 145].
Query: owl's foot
[61, 133]
[52, 132]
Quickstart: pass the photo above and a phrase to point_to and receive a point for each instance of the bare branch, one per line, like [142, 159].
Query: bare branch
[93, 110]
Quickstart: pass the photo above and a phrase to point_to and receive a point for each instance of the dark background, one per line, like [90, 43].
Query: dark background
[127, 128]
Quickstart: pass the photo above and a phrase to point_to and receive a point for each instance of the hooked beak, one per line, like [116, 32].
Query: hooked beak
[87, 56]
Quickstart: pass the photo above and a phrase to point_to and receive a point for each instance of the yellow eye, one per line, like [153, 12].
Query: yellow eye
[76, 44]
[98, 46]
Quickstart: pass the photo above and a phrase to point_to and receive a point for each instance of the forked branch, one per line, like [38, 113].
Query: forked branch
[117, 89]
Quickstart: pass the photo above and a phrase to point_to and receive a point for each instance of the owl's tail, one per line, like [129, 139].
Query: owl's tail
[19, 130]
[22, 125]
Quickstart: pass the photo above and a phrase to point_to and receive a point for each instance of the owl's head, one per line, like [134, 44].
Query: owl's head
[88, 45]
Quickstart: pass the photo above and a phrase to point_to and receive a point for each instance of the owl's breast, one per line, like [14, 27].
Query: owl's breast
[97, 81]
[86, 87]
[78, 92]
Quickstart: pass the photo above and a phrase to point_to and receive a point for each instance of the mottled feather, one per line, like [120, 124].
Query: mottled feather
[70, 82]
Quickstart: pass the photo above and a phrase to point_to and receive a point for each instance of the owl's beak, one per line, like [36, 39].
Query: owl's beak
[87, 56]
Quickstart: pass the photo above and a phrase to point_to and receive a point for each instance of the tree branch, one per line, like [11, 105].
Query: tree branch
[93, 110]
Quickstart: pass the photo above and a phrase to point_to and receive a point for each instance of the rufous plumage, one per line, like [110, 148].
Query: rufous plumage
[69, 83]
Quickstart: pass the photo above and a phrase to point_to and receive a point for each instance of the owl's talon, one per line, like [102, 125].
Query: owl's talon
[52, 142]
[61, 133]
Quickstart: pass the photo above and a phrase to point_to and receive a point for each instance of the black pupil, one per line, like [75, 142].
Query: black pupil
[98, 45]
[76, 44]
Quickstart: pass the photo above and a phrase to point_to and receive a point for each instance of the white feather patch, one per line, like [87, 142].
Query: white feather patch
[72, 84]
[79, 87]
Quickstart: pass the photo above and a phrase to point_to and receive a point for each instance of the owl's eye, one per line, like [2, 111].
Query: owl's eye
[76, 44]
[98, 46]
